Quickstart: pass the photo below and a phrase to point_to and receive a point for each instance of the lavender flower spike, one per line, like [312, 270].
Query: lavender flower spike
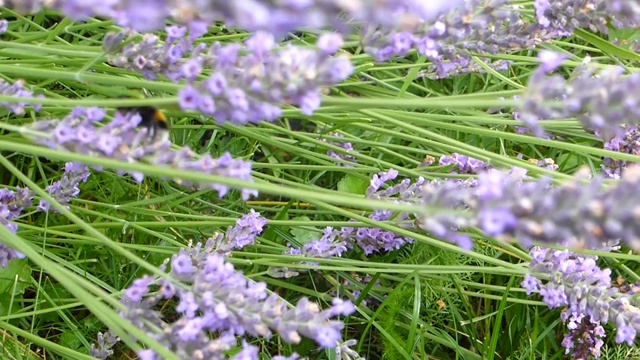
[16, 89]
[576, 214]
[4, 26]
[66, 188]
[103, 350]
[602, 101]
[249, 88]
[332, 243]
[566, 15]
[243, 85]
[120, 139]
[237, 237]
[11, 205]
[578, 284]
[277, 17]
[221, 305]
[347, 158]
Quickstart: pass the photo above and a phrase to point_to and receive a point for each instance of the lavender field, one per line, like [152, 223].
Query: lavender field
[319, 179]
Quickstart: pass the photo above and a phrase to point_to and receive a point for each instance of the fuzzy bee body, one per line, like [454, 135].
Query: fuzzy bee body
[151, 119]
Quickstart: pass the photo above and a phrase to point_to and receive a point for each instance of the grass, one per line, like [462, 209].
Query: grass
[427, 300]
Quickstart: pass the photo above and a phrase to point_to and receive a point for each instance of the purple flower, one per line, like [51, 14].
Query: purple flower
[11, 206]
[483, 27]
[574, 214]
[602, 101]
[219, 305]
[329, 43]
[103, 350]
[531, 284]
[242, 87]
[278, 18]
[626, 334]
[4, 26]
[289, 75]
[345, 159]
[463, 164]
[550, 60]
[142, 15]
[16, 89]
[584, 290]
[584, 338]
[332, 243]
[566, 15]
[66, 188]
[83, 9]
[181, 265]
[627, 143]
[452, 195]
[25, 7]
[238, 236]
[139, 289]
[121, 140]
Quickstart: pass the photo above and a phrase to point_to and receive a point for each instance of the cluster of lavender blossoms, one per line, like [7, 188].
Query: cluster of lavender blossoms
[220, 301]
[490, 27]
[463, 164]
[67, 187]
[17, 89]
[121, 140]
[628, 143]
[11, 205]
[278, 17]
[602, 101]
[448, 194]
[237, 237]
[510, 205]
[452, 195]
[333, 243]
[478, 26]
[566, 15]
[576, 283]
[239, 84]
[346, 158]
[580, 214]
[102, 350]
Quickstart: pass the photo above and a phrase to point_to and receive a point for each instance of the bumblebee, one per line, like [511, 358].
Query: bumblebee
[151, 118]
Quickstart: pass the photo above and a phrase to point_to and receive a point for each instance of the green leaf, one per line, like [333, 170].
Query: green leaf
[15, 277]
[606, 46]
[626, 35]
[302, 235]
[352, 185]
[70, 340]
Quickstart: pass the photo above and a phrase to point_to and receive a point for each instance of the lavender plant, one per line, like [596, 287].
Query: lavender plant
[601, 100]
[240, 85]
[344, 159]
[237, 237]
[483, 27]
[120, 139]
[568, 15]
[462, 163]
[628, 144]
[585, 291]
[66, 188]
[206, 308]
[103, 349]
[221, 301]
[252, 15]
[12, 203]
[17, 89]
